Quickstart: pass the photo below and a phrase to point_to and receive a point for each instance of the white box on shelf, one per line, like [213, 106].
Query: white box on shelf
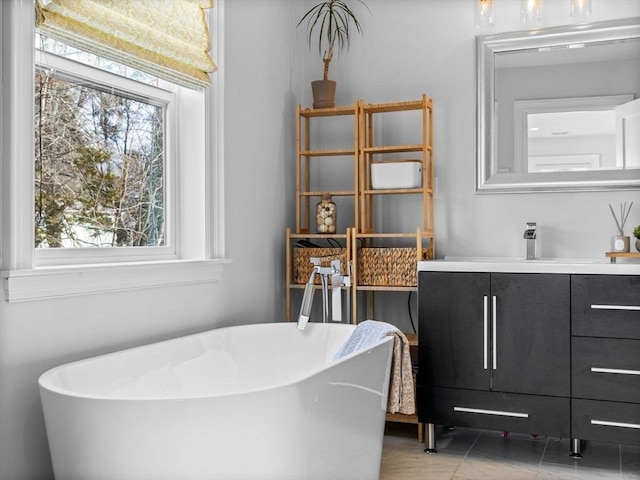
[396, 174]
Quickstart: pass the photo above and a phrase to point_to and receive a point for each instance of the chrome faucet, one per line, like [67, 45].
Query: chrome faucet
[530, 236]
[332, 273]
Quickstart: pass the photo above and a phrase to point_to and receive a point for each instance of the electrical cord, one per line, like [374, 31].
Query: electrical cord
[411, 316]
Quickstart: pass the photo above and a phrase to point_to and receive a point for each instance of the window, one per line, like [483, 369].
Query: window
[100, 156]
[166, 225]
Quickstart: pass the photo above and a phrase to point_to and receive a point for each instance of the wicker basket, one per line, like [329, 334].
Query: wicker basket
[302, 265]
[391, 267]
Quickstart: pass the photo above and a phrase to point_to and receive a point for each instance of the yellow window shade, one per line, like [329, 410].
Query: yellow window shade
[166, 38]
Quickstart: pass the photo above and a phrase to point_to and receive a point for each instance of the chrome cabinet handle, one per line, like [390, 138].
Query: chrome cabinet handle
[615, 370]
[614, 424]
[485, 339]
[615, 307]
[490, 412]
[494, 332]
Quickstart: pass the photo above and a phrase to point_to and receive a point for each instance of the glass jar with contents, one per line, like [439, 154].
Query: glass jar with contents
[326, 215]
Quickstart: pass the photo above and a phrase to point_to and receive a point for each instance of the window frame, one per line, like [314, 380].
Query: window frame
[199, 218]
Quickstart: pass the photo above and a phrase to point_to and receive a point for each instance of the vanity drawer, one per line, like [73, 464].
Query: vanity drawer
[605, 306]
[614, 422]
[606, 369]
[496, 411]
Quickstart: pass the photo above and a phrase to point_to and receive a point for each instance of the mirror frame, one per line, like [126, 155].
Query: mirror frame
[487, 180]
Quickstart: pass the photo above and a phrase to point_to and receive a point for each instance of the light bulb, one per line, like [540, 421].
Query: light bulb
[529, 10]
[484, 13]
[580, 8]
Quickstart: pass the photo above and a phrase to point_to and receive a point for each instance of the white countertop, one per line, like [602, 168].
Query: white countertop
[519, 265]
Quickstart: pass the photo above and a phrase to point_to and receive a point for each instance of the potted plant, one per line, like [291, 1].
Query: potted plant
[636, 233]
[333, 21]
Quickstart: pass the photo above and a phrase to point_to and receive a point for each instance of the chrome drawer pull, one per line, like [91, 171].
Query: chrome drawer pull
[615, 370]
[615, 307]
[494, 332]
[485, 339]
[490, 412]
[614, 424]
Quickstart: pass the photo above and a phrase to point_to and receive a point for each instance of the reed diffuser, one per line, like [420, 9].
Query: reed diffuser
[620, 242]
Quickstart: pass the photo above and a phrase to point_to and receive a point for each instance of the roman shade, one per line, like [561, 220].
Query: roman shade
[165, 38]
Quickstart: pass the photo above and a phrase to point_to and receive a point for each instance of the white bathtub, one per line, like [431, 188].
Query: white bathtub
[262, 401]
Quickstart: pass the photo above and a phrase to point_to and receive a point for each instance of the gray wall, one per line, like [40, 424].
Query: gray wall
[410, 47]
[259, 138]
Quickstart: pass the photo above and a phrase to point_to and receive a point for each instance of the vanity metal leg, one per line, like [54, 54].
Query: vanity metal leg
[430, 438]
[575, 448]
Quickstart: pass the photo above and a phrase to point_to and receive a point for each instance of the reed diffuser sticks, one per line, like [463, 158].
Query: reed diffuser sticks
[624, 214]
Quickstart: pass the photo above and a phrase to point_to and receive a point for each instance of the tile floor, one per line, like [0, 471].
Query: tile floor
[466, 454]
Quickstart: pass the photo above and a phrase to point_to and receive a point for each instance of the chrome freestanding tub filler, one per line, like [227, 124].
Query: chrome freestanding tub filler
[261, 401]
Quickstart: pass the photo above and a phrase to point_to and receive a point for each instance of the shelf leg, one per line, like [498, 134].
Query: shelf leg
[430, 438]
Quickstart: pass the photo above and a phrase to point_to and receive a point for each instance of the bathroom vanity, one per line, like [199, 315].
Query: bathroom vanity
[540, 347]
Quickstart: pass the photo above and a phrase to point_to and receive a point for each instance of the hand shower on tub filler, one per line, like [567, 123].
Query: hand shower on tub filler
[332, 273]
[530, 236]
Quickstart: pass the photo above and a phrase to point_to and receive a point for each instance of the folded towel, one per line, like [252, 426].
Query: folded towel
[401, 388]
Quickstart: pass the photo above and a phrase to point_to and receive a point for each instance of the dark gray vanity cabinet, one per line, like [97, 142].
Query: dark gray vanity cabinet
[605, 327]
[495, 351]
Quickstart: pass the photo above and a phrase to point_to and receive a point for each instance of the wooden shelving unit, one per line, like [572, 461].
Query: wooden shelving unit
[379, 144]
[377, 260]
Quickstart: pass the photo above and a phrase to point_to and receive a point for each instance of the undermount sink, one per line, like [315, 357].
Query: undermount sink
[572, 261]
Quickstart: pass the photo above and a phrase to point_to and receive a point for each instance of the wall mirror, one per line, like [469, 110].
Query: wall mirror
[559, 109]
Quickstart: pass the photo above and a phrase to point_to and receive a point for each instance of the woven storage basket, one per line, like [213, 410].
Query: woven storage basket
[302, 265]
[391, 267]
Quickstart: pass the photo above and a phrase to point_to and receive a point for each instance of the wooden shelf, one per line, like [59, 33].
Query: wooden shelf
[327, 112]
[424, 234]
[398, 106]
[395, 148]
[336, 152]
[384, 288]
[614, 255]
[413, 339]
[395, 191]
[317, 287]
[318, 235]
[335, 193]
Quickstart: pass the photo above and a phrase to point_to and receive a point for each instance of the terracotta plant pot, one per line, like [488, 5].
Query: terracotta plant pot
[324, 93]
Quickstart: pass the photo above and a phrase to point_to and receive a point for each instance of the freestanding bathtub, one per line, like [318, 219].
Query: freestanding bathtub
[262, 401]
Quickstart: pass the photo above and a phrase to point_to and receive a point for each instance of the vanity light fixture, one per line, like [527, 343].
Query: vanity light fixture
[529, 10]
[484, 13]
[580, 8]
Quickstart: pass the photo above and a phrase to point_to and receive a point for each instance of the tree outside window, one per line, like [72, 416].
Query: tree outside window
[99, 166]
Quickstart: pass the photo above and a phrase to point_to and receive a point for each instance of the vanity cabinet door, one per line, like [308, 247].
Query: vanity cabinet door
[531, 337]
[453, 327]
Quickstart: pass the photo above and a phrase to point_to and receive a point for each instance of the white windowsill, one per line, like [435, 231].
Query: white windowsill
[52, 282]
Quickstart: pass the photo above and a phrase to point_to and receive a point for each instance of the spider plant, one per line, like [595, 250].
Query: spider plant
[333, 21]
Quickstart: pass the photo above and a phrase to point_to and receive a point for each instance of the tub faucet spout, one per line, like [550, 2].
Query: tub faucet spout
[333, 274]
[530, 235]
